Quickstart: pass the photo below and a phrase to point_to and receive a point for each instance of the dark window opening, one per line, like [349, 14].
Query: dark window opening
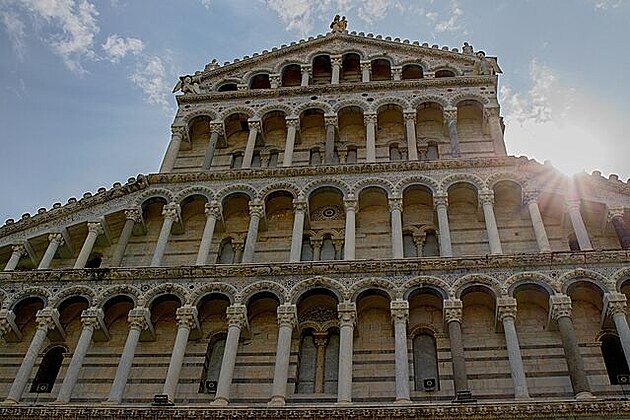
[614, 359]
[48, 370]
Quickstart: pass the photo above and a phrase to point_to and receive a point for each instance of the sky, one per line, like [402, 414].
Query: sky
[85, 85]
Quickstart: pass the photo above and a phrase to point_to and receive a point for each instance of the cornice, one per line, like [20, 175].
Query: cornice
[518, 262]
[358, 87]
[485, 411]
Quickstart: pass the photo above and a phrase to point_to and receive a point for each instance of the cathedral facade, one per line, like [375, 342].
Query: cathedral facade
[336, 231]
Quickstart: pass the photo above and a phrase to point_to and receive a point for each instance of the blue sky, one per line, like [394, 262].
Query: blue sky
[86, 85]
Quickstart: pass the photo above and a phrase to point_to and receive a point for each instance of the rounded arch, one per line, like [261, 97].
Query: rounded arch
[363, 105]
[538, 279]
[375, 283]
[272, 287]
[381, 183]
[322, 106]
[471, 179]
[471, 280]
[447, 66]
[333, 286]
[250, 112]
[390, 100]
[433, 283]
[414, 62]
[311, 56]
[573, 276]
[105, 295]
[205, 192]
[248, 190]
[455, 100]
[360, 53]
[259, 70]
[38, 292]
[153, 193]
[227, 81]
[280, 66]
[619, 277]
[163, 289]
[279, 186]
[421, 180]
[326, 182]
[196, 295]
[416, 102]
[382, 57]
[79, 290]
[205, 112]
[495, 178]
[286, 109]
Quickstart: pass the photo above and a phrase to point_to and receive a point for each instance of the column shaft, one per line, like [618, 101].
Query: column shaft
[94, 229]
[55, 241]
[17, 253]
[222, 397]
[344, 392]
[370, 138]
[173, 149]
[516, 362]
[412, 143]
[320, 361]
[290, 142]
[621, 323]
[72, 374]
[349, 242]
[160, 247]
[251, 144]
[496, 132]
[539, 227]
[578, 227]
[305, 75]
[620, 230]
[329, 156]
[23, 374]
[572, 354]
[451, 124]
[287, 317]
[298, 232]
[365, 71]
[491, 226]
[125, 234]
[212, 212]
[336, 70]
[255, 212]
[212, 144]
[445, 233]
[401, 353]
[124, 365]
[397, 234]
[460, 378]
[177, 358]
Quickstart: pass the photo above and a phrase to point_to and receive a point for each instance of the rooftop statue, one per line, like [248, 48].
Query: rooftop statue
[467, 48]
[189, 84]
[482, 67]
[339, 24]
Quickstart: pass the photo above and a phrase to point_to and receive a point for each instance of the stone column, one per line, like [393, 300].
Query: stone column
[55, 241]
[396, 73]
[237, 319]
[496, 131]
[350, 205]
[47, 319]
[256, 211]
[321, 340]
[412, 139]
[573, 207]
[94, 230]
[615, 216]
[292, 125]
[561, 312]
[132, 216]
[7, 324]
[347, 317]
[287, 321]
[138, 319]
[370, 118]
[506, 313]
[453, 318]
[400, 314]
[213, 212]
[186, 321]
[450, 118]
[177, 134]
[330, 120]
[92, 320]
[306, 74]
[299, 208]
[254, 129]
[18, 252]
[216, 130]
[486, 199]
[531, 200]
[170, 212]
[440, 202]
[335, 62]
[338, 245]
[366, 71]
[418, 241]
[317, 247]
[395, 209]
[615, 306]
[238, 251]
[274, 81]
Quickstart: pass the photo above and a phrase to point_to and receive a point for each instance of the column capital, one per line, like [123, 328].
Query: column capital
[287, 315]
[396, 70]
[96, 227]
[506, 308]
[256, 208]
[399, 310]
[300, 205]
[254, 124]
[320, 339]
[186, 317]
[274, 79]
[212, 209]
[530, 196]
[370, 118]
[350, 203]
[56, 237]
[410, 114]
[347, 312]
[366, 64]
[450, 115]
[560, 306]
[335, 60]
[395, 203]
[453, 309]
[491, 112]
[615, 303]
[139, 319]
[171, 211]
[178, 131]
[486, 197]
[306, 68]
[614, 213]
[316, 242]
[440, 200]
[331, 119]
[292, 121]
[236, 315]
[47, 318]
[92, 318]
[133, 214]
[7, 321]
[573, 204]
[19, 249]
[217, 127]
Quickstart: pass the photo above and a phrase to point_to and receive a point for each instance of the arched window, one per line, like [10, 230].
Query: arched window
[273, 159]
[94, 261]
[226, 253]
[352, 155]
[425, 366]
[328, 250]
[432, 151]
[312, 347]
[48, 370]
[394, 152]
[614, 359]
[322, 70]
[351, 68]
[256, 163]
[212, 365]
[574, 245]
[412, 71]
[228, 87]
[307, 364]
[292, 75]
[444, 73]
[307, 249]
[237, 160]
[381, 70]
[260, 81]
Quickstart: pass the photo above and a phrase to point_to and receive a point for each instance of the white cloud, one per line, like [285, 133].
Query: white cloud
[117, 47]
[150, 77]
[607, 4]
[206, 3]
[376, 10]
[448, 21]
[15, 29]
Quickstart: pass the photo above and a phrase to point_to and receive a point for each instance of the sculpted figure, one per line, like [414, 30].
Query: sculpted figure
[189, 84]
[482, 67]
[467, 48]
[343, 24]
[212, 65]
[335, 25]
